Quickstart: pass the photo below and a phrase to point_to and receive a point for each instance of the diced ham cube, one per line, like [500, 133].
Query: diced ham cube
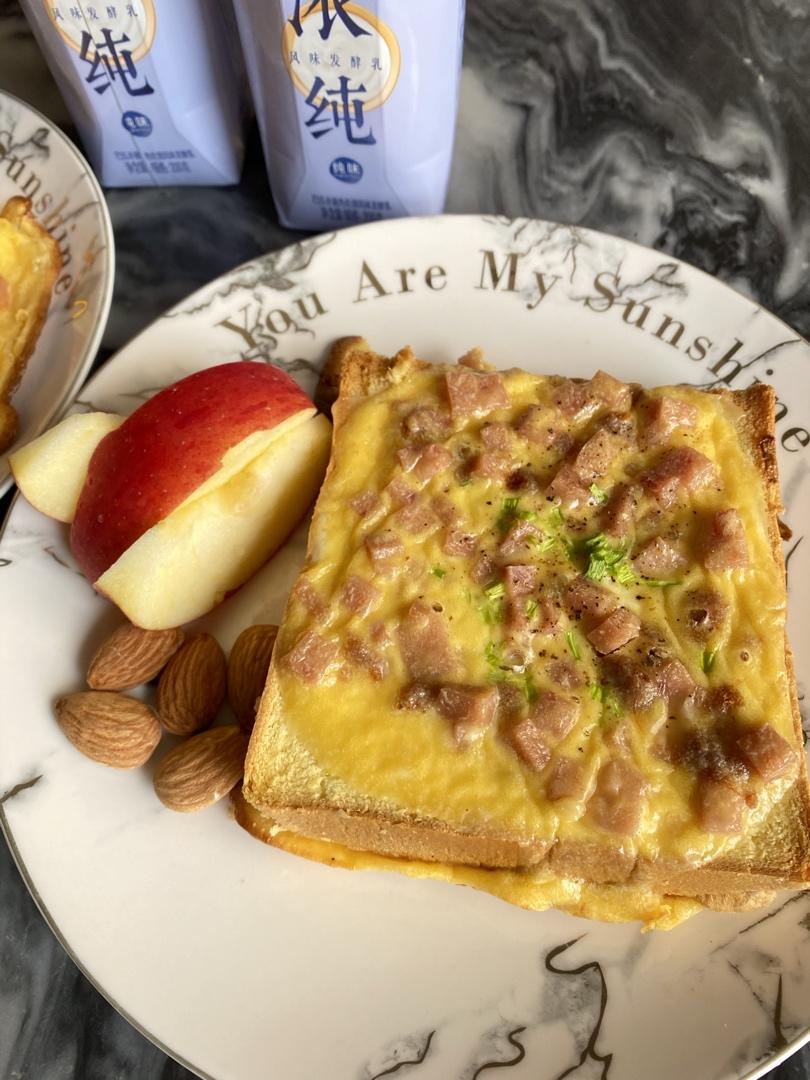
[522, 479]
[433, 460]
[426, 424]
[474, 358]
[400, 492]
[417, 697]
[613, 393]
[596, 455]
[307, 595]
[674, 681]
[457, 542]
[706, 611]
[636, 685]
[445, 509]
[719, 808]
[568, 780]
[520, 581]
[564, 673]
[710, 752]
[621, 626]
[493, 464]
[471, 709]
[364, 503]
[618, 801]
[311, 655]
[384, 548]
[496, 436]
[659, 559]
[408, 457]
[724, 543]
[483, 570]
[520, 540]
[618, 514]
[665, 415]
[475, 394]
[766, 751]
[586, 598]
[359, 595]
[415, 518]
[425, 646]
[679, 471]
[425, 462]
[623, 425]
[539, 426]
[529, 745]
[722, 700]
[510, 701]
[361, 653]
[574, 399]
[553, 714]
[568, 488]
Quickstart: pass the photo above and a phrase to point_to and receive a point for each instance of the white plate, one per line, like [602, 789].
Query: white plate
[38, 161]
[249, 963]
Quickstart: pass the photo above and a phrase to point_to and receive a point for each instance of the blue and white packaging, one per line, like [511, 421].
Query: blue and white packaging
[356, 104]
[154, 86]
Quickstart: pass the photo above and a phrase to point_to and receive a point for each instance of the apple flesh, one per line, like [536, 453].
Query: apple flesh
[173, 445]
[185, 564]
[51, 470]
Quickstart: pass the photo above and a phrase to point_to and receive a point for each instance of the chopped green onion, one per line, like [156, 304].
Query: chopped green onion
[598, 493]
[606, 559]
[510, 513]
[573, 648]
[438, 572]
[529, 688]
[707, 660]
[657, 583]
[492, 652]
[495, 591]
[531, 609]
[606, 697]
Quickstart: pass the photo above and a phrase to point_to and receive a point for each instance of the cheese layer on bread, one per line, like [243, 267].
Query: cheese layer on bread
[540, 608]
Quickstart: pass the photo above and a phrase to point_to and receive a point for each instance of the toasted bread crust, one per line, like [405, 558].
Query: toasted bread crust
[776, 856]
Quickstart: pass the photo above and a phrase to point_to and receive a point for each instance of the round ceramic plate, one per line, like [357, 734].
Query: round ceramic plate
[38, 162]
[247, 963]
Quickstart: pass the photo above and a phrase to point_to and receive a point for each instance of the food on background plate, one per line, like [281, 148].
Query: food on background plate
[29, 263]
[538, 645]
[179, 503]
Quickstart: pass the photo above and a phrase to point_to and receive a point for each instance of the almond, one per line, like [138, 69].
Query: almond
[192, 686]
[247, 671]
[108, 727]
[201, 770]
[131, 656]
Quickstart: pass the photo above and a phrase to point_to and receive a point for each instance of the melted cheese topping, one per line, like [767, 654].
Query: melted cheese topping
[351, 724]
[27, 269]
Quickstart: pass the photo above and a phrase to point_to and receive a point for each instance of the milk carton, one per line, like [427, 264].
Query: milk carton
[356, 104]
[154, 86]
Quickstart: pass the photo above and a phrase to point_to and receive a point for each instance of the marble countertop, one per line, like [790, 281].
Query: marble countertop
[682, 127]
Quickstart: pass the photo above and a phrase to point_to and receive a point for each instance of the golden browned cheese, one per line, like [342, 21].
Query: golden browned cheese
[29, 263]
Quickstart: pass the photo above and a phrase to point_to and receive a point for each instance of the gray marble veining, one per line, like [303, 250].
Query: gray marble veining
[680, 126]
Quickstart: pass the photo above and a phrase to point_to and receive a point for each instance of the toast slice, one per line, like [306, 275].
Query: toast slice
[29, 264]
[540, 632]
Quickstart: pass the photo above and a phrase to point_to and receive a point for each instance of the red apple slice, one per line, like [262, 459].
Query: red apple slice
[185, 564]
[171, 446]
[50, 471]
